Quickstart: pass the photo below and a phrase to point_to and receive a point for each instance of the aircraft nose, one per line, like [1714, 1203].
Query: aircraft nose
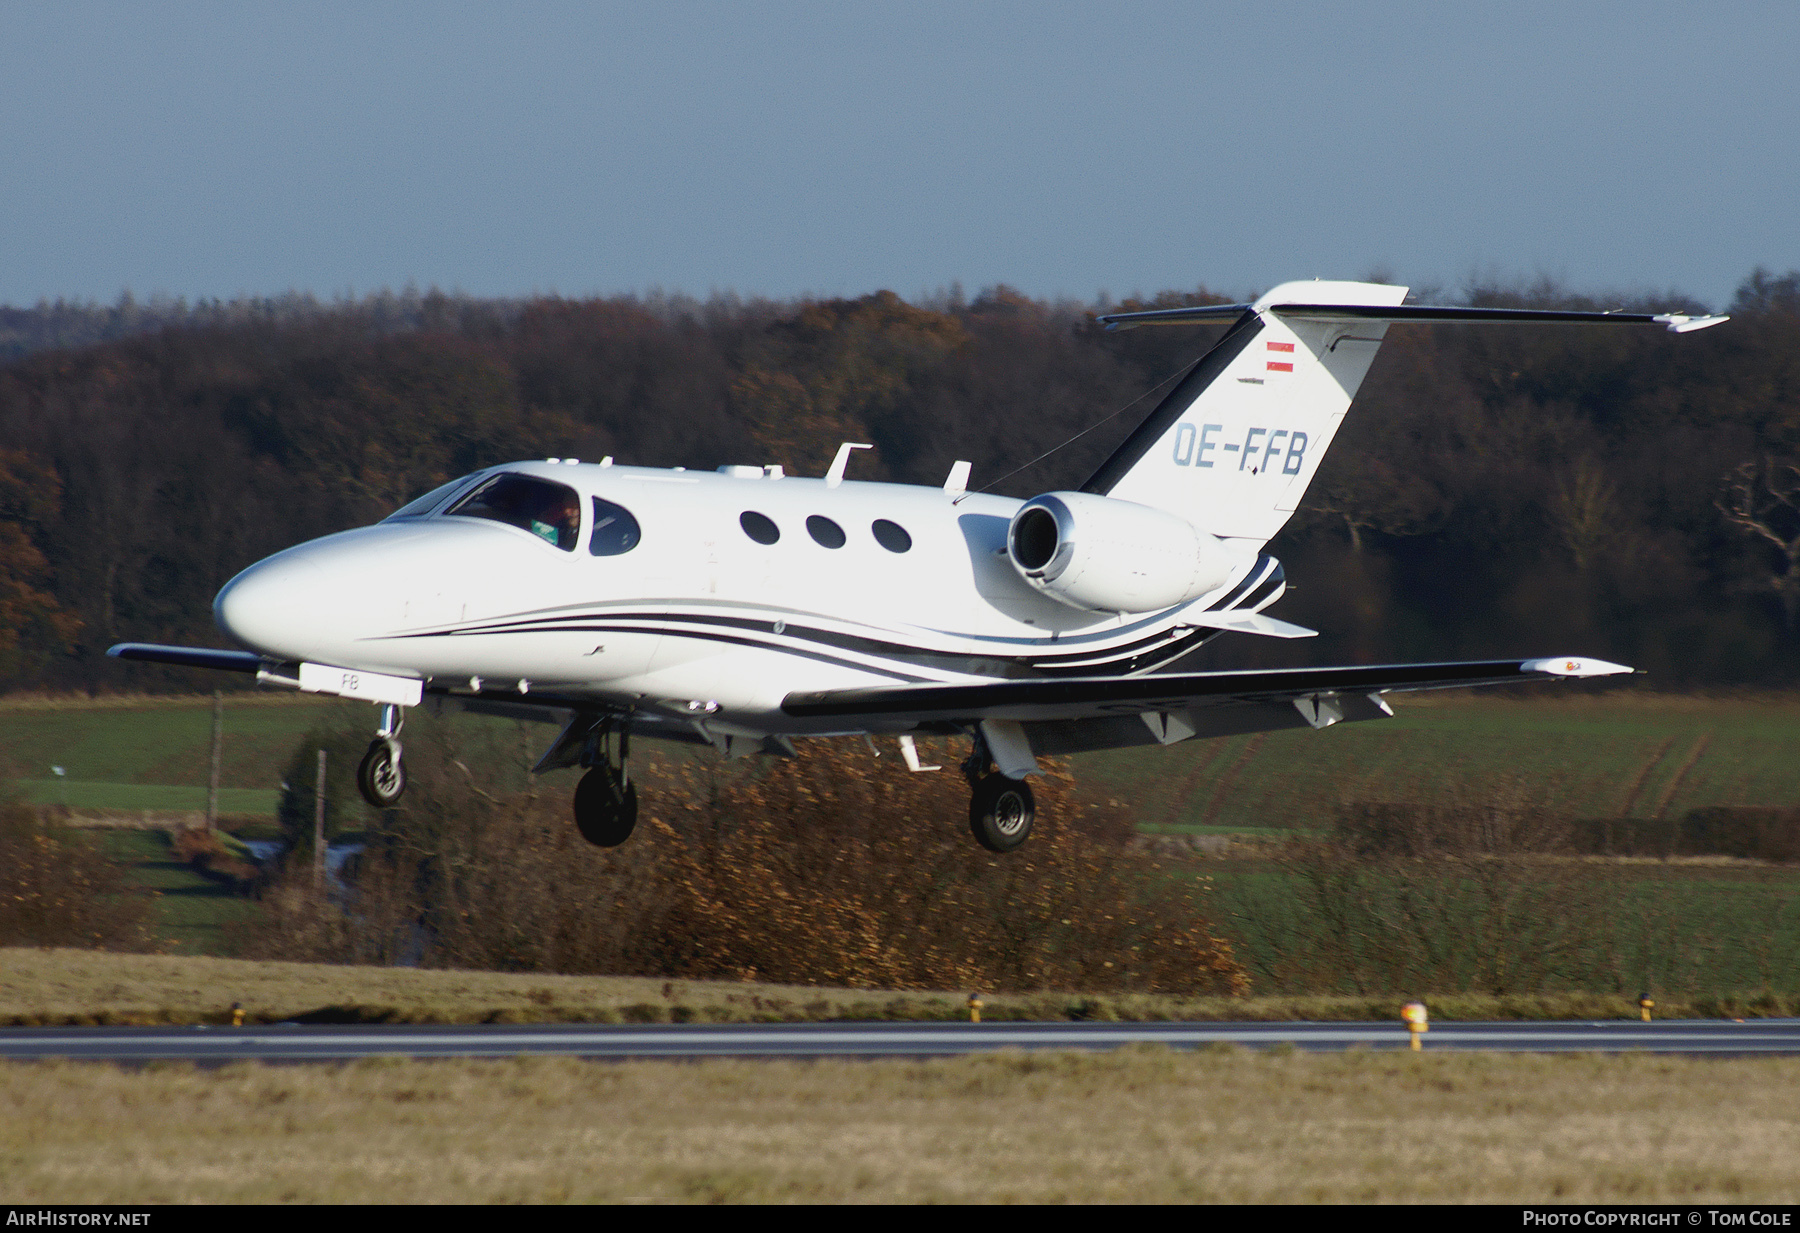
[277, 607]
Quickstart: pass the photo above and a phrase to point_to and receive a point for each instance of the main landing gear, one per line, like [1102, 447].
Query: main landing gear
[382, 776]
[1001, 809]
[606, 803]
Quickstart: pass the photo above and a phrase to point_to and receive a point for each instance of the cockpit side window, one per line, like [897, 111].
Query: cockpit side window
[550, 511]
[418, 507]
[615, 530]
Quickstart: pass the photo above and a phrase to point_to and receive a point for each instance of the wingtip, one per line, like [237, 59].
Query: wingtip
[1573, 666]
[1683, 323]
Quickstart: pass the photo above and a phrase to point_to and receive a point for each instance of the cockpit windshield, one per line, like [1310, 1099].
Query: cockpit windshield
[418, 507]
[550, 511]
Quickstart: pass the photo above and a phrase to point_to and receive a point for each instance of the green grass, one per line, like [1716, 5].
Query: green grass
[1604, 755]
[80, 794]
[1704, 930]
[192, 912]
[156, 741]
[1607, 755]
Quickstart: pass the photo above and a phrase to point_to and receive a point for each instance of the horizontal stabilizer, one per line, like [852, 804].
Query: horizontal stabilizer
[1235, 443]
[1211, 314]
[1199, 314]
[1065, 698]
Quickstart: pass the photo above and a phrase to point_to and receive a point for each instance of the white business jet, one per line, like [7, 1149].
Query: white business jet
[744, 608]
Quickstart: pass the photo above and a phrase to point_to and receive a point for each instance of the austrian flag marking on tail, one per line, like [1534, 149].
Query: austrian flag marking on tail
[1281, 365]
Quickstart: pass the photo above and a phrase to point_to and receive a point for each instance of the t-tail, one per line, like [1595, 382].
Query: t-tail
[1234, 445]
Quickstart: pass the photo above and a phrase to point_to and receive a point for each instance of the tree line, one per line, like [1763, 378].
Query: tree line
[1494, 491]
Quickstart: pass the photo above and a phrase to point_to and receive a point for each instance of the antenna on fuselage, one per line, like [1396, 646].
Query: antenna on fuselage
[958, 481]
[835, 475]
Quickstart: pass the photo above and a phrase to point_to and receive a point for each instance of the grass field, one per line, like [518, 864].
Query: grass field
[193, 912]
[156, 742]
[49, 987]
[80, 794]
[1618, 753]
[1700, 928]
[1140, 1125]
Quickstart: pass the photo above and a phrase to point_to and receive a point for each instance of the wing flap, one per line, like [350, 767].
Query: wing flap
[1096, 697]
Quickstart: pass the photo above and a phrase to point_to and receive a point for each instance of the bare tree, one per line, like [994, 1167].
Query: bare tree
[1763, 499]
[1584, 509]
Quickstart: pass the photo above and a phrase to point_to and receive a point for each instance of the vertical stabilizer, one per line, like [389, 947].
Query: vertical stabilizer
[1235, 444]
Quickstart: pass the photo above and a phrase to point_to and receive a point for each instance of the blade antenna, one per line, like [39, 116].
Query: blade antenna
[1084, 432]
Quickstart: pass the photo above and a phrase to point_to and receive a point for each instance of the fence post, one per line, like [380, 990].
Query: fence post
[319, 827]
[218, 744]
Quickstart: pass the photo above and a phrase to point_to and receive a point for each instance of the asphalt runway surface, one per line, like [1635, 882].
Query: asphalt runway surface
[324, 1043]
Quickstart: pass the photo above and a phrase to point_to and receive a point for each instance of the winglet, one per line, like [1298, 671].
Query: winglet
[1680, 323]
[1573, 667]
[1237, 621]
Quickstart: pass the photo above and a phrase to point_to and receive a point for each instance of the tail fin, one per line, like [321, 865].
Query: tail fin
[1235, 444]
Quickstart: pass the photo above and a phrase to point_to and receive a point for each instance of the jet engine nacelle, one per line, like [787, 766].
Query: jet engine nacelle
[1105, 555]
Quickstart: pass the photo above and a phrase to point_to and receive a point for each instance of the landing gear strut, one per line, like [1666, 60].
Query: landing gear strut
[382, 776]
[606, 804]
[1001, 809]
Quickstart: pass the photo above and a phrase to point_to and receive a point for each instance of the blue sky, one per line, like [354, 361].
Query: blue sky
[778, 149]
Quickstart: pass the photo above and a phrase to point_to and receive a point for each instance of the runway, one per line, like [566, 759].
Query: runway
[321, 1043]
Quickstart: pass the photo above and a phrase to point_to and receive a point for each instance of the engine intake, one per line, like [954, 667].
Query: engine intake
[1103, 555]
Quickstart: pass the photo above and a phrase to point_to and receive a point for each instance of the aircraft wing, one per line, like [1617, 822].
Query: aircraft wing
[189, 656]
[1086, 698]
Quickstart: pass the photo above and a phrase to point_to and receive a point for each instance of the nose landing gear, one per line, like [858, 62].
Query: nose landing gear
[382, 776]
[606, 803]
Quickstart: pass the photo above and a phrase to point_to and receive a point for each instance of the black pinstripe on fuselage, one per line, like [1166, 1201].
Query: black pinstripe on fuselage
[810, 636]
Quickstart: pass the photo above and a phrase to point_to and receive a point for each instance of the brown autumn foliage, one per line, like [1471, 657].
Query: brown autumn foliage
[1494, 490]
[57, 893]
[30, 498]
[209, 856]
[831, 868]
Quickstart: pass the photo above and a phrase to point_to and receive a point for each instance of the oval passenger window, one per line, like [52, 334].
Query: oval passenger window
[615, 530]
[827, 532]
[891, 535]
[759, 527]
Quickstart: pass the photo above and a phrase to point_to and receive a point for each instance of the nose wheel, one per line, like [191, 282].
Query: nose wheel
[382, 776]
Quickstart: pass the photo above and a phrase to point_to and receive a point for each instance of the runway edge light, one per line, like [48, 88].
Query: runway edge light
[1416, 1022]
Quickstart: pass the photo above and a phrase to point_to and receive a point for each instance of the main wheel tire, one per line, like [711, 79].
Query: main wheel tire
[604, 815]
[1001, 813]
[382, 776]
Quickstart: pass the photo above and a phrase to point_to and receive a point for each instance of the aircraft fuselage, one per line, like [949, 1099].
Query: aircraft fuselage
[863, 584]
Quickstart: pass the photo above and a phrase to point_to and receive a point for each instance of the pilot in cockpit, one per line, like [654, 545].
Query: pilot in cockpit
[559, 521]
